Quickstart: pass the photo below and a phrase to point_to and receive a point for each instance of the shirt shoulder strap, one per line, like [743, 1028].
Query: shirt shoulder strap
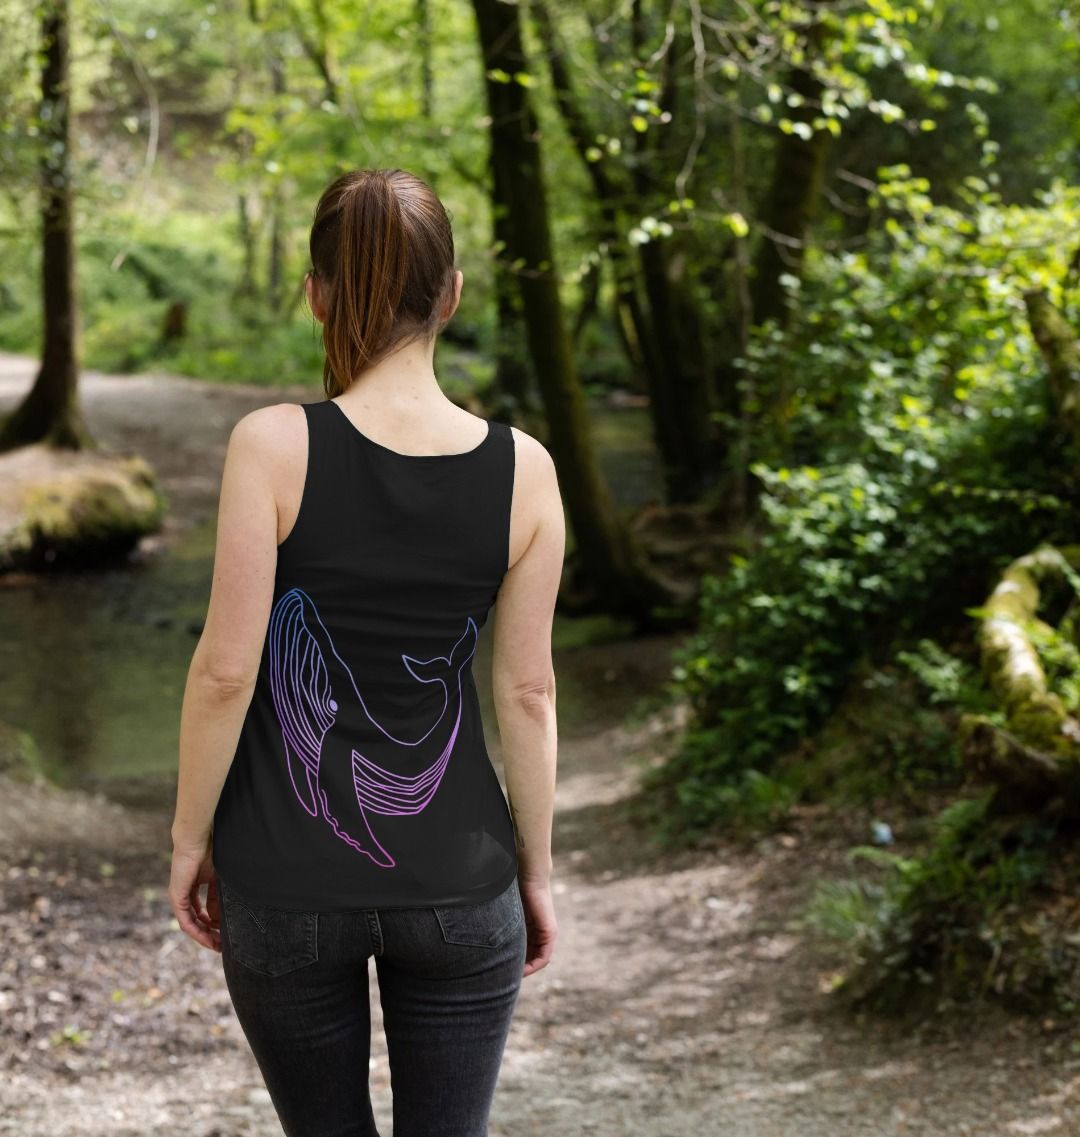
[318, 477]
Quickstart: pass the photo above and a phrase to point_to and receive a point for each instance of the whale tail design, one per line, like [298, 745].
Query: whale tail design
[384, 791]
[443, 668]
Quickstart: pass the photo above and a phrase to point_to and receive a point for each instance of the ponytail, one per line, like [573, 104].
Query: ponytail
[383, 253]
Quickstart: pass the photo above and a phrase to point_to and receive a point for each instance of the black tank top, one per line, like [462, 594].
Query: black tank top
[361, 778]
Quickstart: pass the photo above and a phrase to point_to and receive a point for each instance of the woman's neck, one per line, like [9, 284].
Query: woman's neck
[401, 384]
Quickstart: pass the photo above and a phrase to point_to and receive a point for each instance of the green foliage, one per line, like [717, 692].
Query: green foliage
[922, 419]
[130, 271]
[1033, 51]
[948, 680]
[122, 337]
[941, 925]
[849, 558]
[1060, 659]
[882, 746]
[919, 343]
[709, 789]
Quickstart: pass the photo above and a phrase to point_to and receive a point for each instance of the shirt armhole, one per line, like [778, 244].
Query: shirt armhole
[305, 491]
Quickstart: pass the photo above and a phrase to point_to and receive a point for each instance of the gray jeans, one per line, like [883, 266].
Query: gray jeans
[448, 982]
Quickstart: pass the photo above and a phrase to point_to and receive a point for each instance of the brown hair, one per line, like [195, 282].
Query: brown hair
[383, 252]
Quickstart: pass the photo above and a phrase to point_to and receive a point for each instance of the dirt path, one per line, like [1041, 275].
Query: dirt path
[681, 1002]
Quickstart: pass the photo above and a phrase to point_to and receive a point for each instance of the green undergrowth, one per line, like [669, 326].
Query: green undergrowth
[889, 745]
[983, 909]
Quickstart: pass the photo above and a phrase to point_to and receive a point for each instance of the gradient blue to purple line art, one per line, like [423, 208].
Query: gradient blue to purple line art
[309, 680]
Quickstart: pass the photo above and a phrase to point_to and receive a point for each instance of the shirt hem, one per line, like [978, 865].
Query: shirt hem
[256, 895]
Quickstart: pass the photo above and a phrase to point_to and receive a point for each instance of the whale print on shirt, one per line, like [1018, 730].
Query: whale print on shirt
[309, 682]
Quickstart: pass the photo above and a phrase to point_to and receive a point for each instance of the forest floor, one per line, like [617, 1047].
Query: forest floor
[682, 1001]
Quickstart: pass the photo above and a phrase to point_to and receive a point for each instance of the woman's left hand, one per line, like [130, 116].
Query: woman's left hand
[192, 867]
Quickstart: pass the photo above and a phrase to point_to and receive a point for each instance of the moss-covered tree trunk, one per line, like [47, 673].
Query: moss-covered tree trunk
[609, 559]
[1035, 755]
[50, 413]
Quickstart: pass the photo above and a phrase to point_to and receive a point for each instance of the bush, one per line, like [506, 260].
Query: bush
[936, 458]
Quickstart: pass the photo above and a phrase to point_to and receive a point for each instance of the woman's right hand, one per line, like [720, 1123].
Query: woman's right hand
[539, 921]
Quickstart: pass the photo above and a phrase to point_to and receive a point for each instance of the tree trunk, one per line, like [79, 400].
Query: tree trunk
[680, 393]
[612, 189]
[1061, 353]
[245, 286]
[732, 388]
[50, 412]
[1032, 778]
[1009, 656]
[663, 341]
[275, 269]
[590, 303]
[513, 380]
[798, 171]
[692, 446]
[609, 559]
[427, 74]
[791, 205]
[317, 48]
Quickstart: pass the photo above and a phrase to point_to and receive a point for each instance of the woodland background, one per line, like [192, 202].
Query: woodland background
[790, 291]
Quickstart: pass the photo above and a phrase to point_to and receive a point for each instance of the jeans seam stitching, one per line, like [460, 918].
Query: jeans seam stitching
[376, 931]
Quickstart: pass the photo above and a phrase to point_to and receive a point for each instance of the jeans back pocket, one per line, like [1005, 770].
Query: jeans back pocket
[269, 940]
[486, 924]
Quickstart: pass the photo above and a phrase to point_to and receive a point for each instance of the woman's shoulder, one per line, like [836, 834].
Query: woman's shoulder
[275, 425]
[533, 467]
[531, 455]
[274, 438]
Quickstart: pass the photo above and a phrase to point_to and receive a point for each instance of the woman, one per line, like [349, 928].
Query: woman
[335, 794]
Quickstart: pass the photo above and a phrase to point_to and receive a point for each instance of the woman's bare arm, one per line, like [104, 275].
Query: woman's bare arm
[523, 676]
[225, 663]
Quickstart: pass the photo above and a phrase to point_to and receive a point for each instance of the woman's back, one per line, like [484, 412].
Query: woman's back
[361, 777]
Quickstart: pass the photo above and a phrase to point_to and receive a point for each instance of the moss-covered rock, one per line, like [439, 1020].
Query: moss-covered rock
[74, 507]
